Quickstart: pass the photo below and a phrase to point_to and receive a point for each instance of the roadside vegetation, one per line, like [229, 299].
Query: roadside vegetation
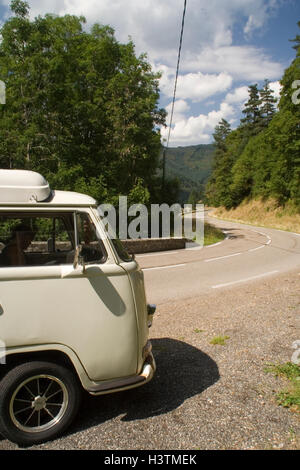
[212, 234]
[220, 340]
[290, 396]
[264, 214]
[259, 160]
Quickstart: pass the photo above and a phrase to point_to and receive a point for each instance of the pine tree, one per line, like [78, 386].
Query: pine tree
[252, 122]
[268, 103]
[217, 189]
[222, 130]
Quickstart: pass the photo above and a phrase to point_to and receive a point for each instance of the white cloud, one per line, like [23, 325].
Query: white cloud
[181, 109]
[195, 86]
[258, 18]
[238, 96]
[208, 36]
[198, 129]
[198, 86]
[241, 62]
[276, 87]
[155, 26]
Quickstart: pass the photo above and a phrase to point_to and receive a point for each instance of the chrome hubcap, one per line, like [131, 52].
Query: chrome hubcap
[39, 403]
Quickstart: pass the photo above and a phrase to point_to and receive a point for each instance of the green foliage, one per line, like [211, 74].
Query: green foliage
[268, 103]
[218, 189]
[212, 234]
[220, 340]
[194, 198]
[139, 194]
[191, 166]
[81, 108]
[262, 157]
[252, 122]
[290, 397]
[20, 8]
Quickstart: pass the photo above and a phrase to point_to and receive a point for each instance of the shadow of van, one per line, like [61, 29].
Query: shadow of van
[183, 371]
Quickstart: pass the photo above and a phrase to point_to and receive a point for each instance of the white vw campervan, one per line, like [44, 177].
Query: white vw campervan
[73, 312]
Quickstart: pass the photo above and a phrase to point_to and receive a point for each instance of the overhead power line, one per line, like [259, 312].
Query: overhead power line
[177, 71]
[174, 95]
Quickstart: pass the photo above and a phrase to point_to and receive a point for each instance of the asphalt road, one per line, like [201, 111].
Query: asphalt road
[246, 255]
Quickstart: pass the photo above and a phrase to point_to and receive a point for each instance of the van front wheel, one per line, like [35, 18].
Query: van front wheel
[38, 401]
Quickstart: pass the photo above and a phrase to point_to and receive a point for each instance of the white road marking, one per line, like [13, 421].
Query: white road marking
[265, 235]
[170, 252]
[244, 280]
[258, 248]
[195, 248]
[164, 267]
[215, 244]
[221, 257]
[248, 251]
[219, 243]
[158, 254]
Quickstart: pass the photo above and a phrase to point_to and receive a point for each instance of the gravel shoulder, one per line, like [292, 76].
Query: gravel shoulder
[205, 396]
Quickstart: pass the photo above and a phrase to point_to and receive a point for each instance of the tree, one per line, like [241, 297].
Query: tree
[268, 100]
[194, 198]
[81, 108]
[222, 131]
[20, 8]
[252, 122]
[261, 158]
[227, 143]
[269, 165]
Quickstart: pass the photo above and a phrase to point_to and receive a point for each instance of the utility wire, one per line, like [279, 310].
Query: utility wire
[177, 71]
[174, 95]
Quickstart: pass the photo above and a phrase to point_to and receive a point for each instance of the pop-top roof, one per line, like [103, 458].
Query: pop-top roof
[23, 186]
[27, 187]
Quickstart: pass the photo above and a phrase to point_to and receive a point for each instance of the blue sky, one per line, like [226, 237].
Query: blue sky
[228, 45]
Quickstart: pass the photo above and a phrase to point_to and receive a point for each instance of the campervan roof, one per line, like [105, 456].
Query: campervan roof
[27, 187]
[23, 186]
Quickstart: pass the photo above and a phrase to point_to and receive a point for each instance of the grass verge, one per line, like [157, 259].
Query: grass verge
[212, 234]
[290, 396]
[264, 214]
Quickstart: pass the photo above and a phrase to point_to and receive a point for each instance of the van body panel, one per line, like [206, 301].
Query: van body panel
[99, 311]
[136, 277]
[92, 312]
[93, 387]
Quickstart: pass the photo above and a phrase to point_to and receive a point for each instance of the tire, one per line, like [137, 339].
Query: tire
[27, 417]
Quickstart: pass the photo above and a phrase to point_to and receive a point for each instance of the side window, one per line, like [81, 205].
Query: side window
[92, 250]
[36, 239]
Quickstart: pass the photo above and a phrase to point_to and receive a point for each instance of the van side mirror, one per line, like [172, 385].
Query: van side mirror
[78, 260]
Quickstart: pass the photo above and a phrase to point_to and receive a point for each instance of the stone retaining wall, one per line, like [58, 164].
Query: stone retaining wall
[148, 245]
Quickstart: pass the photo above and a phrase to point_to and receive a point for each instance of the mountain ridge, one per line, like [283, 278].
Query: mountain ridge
[192, 165]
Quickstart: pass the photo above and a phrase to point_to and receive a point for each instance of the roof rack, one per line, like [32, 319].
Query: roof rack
[22, 186]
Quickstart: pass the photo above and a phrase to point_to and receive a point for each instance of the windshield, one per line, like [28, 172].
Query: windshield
[118, 245]
[121, 250]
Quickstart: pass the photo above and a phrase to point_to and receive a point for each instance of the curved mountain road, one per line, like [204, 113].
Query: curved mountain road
[247, 254]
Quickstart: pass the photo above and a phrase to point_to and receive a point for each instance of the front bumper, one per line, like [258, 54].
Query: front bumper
[117, 385]
[151, 309]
